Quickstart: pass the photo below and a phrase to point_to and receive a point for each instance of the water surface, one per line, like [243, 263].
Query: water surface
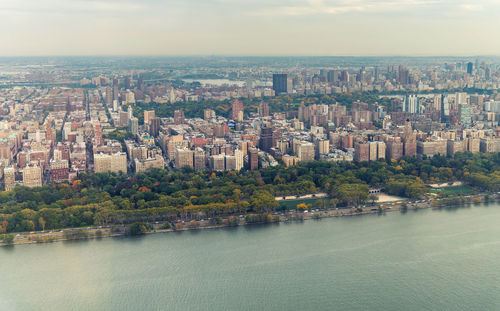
[425, 260]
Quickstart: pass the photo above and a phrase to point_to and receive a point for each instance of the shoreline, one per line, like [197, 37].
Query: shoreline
[288, 216]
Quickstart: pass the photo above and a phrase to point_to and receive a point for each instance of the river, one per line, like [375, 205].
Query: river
[421, 260]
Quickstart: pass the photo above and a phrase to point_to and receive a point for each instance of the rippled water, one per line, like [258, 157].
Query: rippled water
[425, 260]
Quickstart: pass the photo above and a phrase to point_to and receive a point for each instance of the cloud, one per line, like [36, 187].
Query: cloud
[471, 7]
[325, 7]
[244, 27]
[69, 6]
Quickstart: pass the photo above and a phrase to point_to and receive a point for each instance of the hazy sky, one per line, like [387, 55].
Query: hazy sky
[250, 27]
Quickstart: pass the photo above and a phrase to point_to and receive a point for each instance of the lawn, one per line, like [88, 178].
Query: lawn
[292, 204]
[454, 190]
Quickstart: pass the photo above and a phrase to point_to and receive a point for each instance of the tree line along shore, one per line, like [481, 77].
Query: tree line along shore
[303, 212]
[107, 199]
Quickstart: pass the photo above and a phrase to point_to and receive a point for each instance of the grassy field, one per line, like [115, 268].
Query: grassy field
[292, 204]
[455, 190]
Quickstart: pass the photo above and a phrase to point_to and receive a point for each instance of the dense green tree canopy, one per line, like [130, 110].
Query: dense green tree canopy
[108, 198]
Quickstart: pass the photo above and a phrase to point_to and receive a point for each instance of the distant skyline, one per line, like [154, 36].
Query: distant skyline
[250, 28]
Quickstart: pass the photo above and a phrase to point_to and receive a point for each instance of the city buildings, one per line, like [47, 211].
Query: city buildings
[155, 123]
[54, 134]
[110, 163]
[305, 151]
[143, 165]
[32, 176]
[237, 110]
[280, 83]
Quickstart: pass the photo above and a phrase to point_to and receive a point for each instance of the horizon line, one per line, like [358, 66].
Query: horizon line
[250, 56]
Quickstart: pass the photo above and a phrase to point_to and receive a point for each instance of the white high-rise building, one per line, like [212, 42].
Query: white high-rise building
[238, 154]
[411, 104]
[134, 125]
[172, 97]
[461, 98]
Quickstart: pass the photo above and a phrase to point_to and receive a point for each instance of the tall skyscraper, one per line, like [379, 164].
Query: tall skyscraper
[487, 73]
[404, 75]
[280, 83]
[140, 83]
[115, 89]
[470, 67]
[332, 76]
[109, 96]
[344, 76]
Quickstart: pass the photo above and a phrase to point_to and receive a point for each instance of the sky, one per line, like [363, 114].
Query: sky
[250, 27]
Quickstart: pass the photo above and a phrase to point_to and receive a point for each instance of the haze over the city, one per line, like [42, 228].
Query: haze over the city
[257, 27]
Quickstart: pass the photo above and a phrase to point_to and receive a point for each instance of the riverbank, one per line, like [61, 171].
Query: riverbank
[244, 220]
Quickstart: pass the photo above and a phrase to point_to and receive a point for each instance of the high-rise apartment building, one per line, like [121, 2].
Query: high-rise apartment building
[199, 159]
[234, 162]
[322, 146]
[404, 75]
[115, 89]
[217, 162]
[361, 152]
[134, 125]
[394, 148]
[305, 151]
[32, 176]
[237, 110]
[465, 112]
[9, 177]
[266, 139]
[123, 118]
[280, 83]
[332, 76]
[110, 162]
[179, 117]
[184, 157]
[154, 128]
[411, 104]
[264, 109]
[253, 159]
[148, 115]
